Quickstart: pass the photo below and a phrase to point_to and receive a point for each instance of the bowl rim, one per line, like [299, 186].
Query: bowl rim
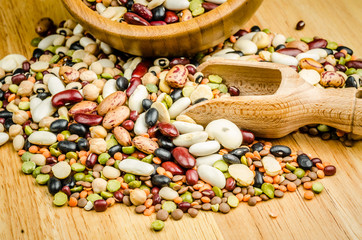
[84, 14]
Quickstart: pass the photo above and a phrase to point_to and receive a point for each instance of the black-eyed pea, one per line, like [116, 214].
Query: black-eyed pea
[98, 132]
[74, 85]
[91, 92]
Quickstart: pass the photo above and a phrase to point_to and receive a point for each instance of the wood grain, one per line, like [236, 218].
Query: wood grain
[26, 210]
[178, 39]
[275, 100]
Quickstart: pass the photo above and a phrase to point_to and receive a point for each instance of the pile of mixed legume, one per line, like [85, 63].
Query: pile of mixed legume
[99, 127]
[152, 12]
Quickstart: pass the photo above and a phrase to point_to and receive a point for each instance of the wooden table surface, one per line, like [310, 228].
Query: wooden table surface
[26, 210]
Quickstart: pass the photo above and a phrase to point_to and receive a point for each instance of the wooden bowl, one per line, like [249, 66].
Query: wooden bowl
[177, 39]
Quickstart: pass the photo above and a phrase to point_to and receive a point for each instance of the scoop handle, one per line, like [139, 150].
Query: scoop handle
[274, 116]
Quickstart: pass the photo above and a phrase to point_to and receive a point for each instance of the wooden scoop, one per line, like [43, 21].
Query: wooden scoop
[275, 101]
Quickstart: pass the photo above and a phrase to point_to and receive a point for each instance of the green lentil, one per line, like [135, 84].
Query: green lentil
[54, 59]
[221, 165]
[233, 201]
[130, 157]
[76, 189]
[266, 30]
[359, 72]
[172, 184]
[28, 167]
[332, 45]
[88, 178]
[99, 99]
[26, 156]
[169, 206]
[227, 174]
[223, 88]
[54, 152]
[289, 39]
[24, 106]
[13, 88]
[60, 199]
[299, 172]
[106, 195]
[71, 155]
[217, 191]
[290, 167]
[342, 61]
[28, 130]
[36, 172]
[78, 167]
[103, 158]
[168, 100]
[50, 48]
[79, 176]
[215, 207]
[66, 134]
[348, 58]
[317, 187]
[157, 225]
[134, 184]
[39, 76]
[148, 159]
[257, 191]
[194, 5]
[187, 197]
[213, 85]
[215, 79]
[128, 177]
[323, 128]
[93, 197]
[128, 150]
[143, 187]
[35, 41]
[152, 88]
[111, 142]
[106, 75]
[306, 39]
[268, 189]
[198, 11]
[42, 179]
[271, 49]
[244, 160]
[351, 71]
[116, 164]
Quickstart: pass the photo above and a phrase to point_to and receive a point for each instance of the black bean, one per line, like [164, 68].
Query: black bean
[59, 125]
[255, 29]
[300, 25]
[239, 152]
[280, 46]
[160, 180]
[54, 185]
[18, 71]
[280, 150]
[159, 13]
[115, 149]
[231, 159]
[6, 114]
[37, 52]
[304, 161]
[165, 142]
[146, 104]
[76, 46]
[129, 5]
[121, 83]
[176, 94]
[2, 94]
[257, 147]
[69, 181]
[67, 146]
[77, 128]
[200, 100]
[351, 82]
[258, 179]
[8, 123]
[151, 117]
[329, 51]
[27, 145]
[82, 144]
[163, 154]
[349, 51]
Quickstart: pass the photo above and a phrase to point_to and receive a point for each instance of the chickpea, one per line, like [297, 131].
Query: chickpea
[97, 145]
[20, 117]
[15, 130]
[98, 132]
[91, 92]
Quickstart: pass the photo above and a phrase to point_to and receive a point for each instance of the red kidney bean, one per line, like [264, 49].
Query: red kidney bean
[158, 23]
[173, 168]
[300, 25]
[152, 131]
[318, 43]
[91, 160]
[66, 190]
[241, 33]
[123, 1]
[141, 155]
[18, 78]
[179, 61]
[316, 160]
[184, 206]
[341, 67]
[183, 157]
[155, 190]
[142, 11]
[191, 69]
[167, 129]
[133, 116]
[209, 6]
[26, 66]
[290, 51]
[128, 125]
[338, 55]
[248, 137]
[2, 121]
[192, 177]
[51, 160]
[132, 18]
[140, 70]
[230, 184]
[208, 193]
[134, 82]
[67, 96]
[357, 64]
[118, 196]
[171, 17]
[100, 205]
[234, 91]
[156, 199]
[330, 170]
[88, 119]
